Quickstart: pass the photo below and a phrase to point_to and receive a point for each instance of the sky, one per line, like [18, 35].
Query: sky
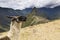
[23, 4]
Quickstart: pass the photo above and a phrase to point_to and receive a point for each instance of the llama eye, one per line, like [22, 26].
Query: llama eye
[17, 20]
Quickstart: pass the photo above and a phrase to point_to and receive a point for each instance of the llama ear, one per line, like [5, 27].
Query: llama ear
[9, 17]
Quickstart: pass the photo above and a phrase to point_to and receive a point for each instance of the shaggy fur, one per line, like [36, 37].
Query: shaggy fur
[15, 27]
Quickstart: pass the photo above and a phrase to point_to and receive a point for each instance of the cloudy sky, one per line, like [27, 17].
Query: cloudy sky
[22, 4]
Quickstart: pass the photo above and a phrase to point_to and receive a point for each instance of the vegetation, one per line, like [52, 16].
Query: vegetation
[33, 19]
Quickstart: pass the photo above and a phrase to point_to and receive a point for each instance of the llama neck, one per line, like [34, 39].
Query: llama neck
[14, 32]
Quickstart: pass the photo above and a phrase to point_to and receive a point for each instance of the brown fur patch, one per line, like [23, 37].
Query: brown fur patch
[5, 38]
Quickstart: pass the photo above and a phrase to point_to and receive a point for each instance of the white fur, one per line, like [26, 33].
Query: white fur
[14, 32]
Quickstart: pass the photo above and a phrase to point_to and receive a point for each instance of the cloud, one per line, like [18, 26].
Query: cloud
[22, 4]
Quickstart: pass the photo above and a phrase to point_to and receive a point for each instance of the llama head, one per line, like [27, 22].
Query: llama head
[17, 18]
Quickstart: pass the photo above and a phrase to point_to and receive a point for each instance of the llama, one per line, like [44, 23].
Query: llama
[15, 27]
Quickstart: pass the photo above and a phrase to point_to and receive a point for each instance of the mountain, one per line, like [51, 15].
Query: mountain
[48, 13]
[4, 21]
